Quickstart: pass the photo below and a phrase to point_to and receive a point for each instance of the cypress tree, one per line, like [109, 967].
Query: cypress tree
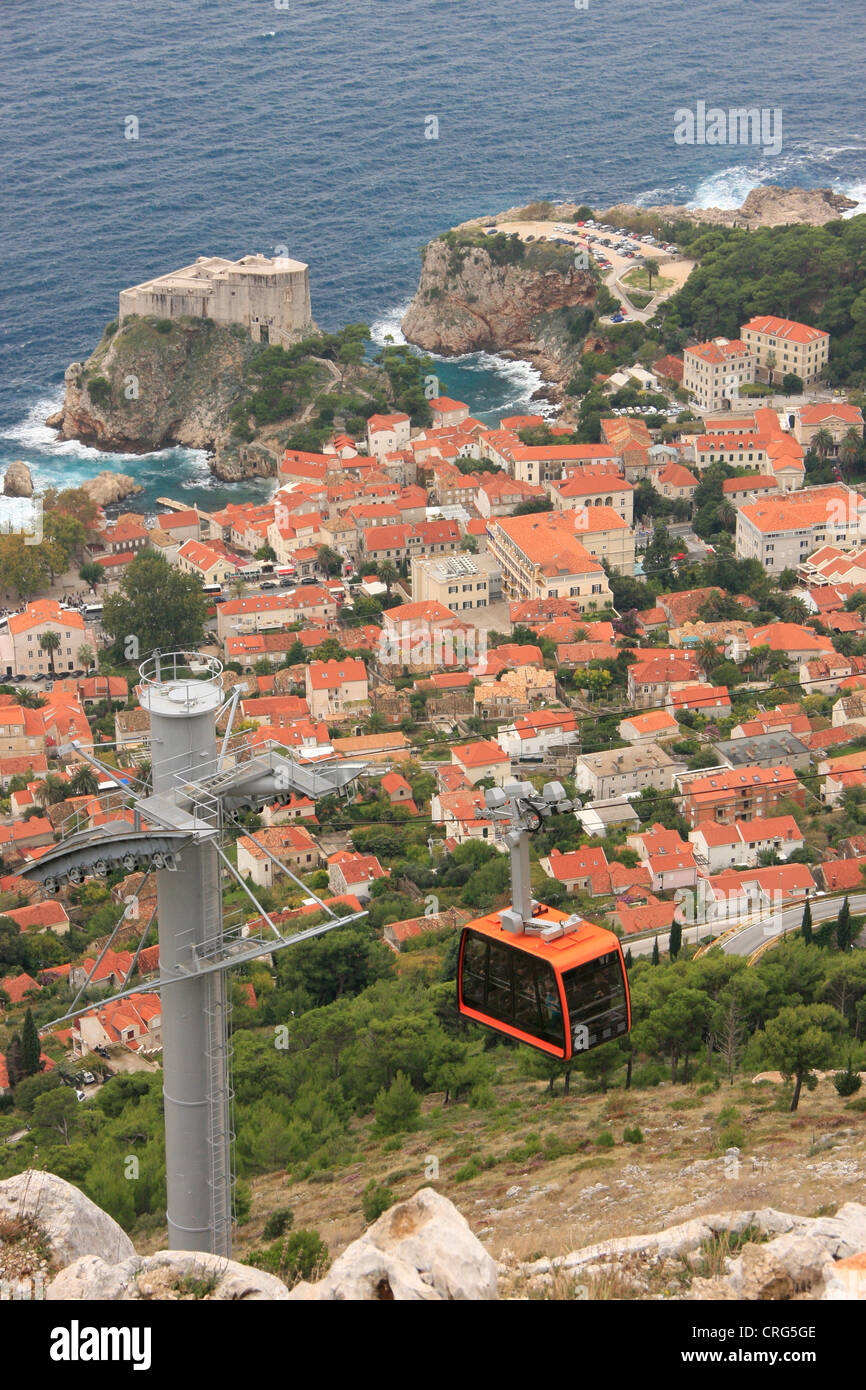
[30, 1046]
[675, 940]
[806, 924]
[843, 927]
[655, 956]
[628, 959]
[14, 1065]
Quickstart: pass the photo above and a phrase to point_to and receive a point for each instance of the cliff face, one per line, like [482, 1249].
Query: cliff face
[467, 303]
[143, 390]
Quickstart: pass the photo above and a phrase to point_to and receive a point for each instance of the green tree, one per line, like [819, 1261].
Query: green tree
[398, 1108]
[59, 1112]
[157, 605]
[656, 958]
[50, 643]
[83, 782]
[843, 927]
[31, 1048]
[85, 656]
[800, 1039]
[92, 574]
[675, 940]
[806, 924]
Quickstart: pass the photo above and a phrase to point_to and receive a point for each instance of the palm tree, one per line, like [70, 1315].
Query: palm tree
[650, 265]
[50, 643]
[85, 656]
[823, 443]
[850, 448]
[51, 790]
[389, 574]
[84, 782]
[708, 654]
[239, 585]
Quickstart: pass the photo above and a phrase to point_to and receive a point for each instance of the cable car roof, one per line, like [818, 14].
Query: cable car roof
[587, 943]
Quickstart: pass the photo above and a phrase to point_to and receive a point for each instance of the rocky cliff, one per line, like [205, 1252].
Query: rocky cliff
[145, 389]
[768, 206]
[467, 302]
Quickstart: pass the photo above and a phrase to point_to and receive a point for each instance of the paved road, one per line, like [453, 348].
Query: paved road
[761, 930]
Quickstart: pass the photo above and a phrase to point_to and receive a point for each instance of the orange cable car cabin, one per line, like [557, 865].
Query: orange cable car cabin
[559, 985]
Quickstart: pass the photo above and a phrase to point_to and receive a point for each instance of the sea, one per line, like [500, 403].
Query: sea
[135, 137]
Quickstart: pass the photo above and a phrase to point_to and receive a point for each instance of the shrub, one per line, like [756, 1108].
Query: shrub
[243, 1202]
[377, 1198]
[468, 1170]
[650, 1074]
[278, 1223]
[301, 1255]
[163, 325]
[848, 1082]
[99, 390]
[605, 1140]
[633, 1135]
[859, 1105]
[732, 1138]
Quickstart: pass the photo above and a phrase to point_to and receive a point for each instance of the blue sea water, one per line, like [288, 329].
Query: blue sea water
[302, 123]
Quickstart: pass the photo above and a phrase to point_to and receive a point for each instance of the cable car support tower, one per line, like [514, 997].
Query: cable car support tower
[175, 827]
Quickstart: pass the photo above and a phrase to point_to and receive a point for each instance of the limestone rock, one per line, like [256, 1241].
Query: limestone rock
[17, 481]
[170, 1275]
[73, 1225]
[419, 1249]
[109, 487]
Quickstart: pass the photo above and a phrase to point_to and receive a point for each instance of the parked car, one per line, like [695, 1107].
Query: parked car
[88, 1078]
[79, 1095]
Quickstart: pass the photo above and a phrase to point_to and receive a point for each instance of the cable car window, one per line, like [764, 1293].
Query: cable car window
[474, 976]
[520, 989]
[596, 998]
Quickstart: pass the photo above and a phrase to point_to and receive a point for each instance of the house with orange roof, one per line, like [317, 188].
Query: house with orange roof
[48, 915]
[134, 1022]
[645, 917]
[498, 494]
[19, 989]
[387, 434]
[461, 812]
[21, 651]
[669, 858]
[291, 845]
[396, 934]
[392, 746]
[447, 413]
[337, 690]
[675, 481]
[713, 701]
[584, 870]
[398, 791]
[738, 793]
[481, 760]
[842, 875]
[836, 418]
[782, 532]
[206, 563]
[645, 728]
[783, 346]
[714, 371]
[598, 486]
[741, 843]
[536, 734]
[349, 872]
[733, 894]
[651, 680]
[543, 555]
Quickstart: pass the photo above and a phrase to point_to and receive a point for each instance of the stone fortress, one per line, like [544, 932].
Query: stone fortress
[269, 296]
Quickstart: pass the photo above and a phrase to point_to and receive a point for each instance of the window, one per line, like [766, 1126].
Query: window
[513, 987]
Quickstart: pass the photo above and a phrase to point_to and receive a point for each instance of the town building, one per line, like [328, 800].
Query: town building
[458, 582]
[619, 772]
[714, 371]
[542, 555]
[781, 532]
[783, 346]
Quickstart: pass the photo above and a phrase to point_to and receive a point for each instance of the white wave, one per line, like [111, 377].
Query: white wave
[857, 191]
[33, 433]
[388, 325]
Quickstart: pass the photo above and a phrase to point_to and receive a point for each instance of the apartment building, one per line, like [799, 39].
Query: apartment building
[594, 487]
[718, 847]
[713, 372]
[836, 419]
[336, 689]
[548, 463]
[621, 772]
[781, 346]
[20, 649]
[606, 535]
[457, 582]
[781, 532]
[543, 556]
[744, 793]
[387, 434]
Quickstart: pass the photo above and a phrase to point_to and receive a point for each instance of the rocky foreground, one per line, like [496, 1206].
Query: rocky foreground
[54, 1238]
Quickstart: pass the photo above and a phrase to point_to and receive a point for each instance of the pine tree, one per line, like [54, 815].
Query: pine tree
[655, 955]
[843, 927]
[806, 925]
[30, 1046]
[675, 940]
